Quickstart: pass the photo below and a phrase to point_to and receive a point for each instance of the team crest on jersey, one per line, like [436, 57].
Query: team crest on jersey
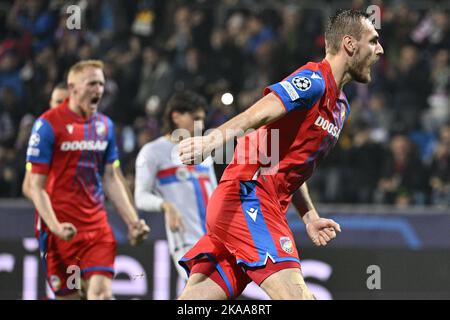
[100, 128]
[182, 173]
[286, 245]
[69, 128]
[55, 282]
[302, 83]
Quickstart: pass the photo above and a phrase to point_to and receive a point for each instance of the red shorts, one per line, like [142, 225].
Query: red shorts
[246, 228]
[89, 252]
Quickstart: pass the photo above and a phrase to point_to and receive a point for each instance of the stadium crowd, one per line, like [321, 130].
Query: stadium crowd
[395, 149]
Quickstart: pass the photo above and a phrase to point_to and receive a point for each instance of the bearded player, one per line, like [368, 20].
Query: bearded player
[248, 237]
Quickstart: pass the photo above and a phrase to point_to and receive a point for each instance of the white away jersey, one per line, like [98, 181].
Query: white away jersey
[161, 176]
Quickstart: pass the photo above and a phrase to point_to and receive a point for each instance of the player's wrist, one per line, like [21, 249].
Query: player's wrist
[55, 227]
[133, 223]
[310, 216]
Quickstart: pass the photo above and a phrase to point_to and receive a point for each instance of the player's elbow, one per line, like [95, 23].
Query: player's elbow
[139, 201]
[26, 190]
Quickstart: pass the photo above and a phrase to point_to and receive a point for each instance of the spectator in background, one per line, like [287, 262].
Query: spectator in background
[404, 179]
[125, 59]
[409, 85]
[43, 77]
[194, 76]
[8, 172]
[33, 24]
[258, 33]
[439, 112]
[440, 170]
[156, 77]
[364, 156]
[10, 114]
[10, 70]
[224, 56]
[398, 20]
[180, 38]
[433, 31]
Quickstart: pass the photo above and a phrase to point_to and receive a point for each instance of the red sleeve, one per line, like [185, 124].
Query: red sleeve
[41, 168]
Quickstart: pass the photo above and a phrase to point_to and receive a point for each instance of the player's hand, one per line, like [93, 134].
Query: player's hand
[65, 231]
[194, 150]
[321, 231]
[173, 217]
[138, 232]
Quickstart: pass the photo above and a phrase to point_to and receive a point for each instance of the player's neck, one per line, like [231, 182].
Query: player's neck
[74, 107]
[338, 66]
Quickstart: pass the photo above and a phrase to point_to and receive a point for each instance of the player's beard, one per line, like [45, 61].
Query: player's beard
[358, 70]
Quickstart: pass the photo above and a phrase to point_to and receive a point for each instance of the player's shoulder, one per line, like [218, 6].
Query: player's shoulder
[47, 121]
[54, 117]
[311, 70]
[155, 146]
[309, 79]
[50, 115]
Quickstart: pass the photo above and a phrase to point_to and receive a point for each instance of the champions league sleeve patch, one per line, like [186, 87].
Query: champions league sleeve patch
[300, 90]
[301, 83]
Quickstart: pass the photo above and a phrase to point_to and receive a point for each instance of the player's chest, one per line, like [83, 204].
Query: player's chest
[76, 136]
[329, 117]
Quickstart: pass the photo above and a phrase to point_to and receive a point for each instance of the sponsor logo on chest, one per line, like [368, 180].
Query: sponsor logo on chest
[74, 138]
[328, 126]
[84, 145]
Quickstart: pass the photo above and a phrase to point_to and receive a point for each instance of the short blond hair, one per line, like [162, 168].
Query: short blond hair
[83, 64]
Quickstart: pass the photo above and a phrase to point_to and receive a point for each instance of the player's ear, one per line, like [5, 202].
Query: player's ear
[349, 45]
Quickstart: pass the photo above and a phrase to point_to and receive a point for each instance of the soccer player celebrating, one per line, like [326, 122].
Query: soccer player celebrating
[164, 184]
[74, 157]
[248, 237]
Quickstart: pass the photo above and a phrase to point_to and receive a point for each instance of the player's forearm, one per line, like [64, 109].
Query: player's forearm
[43, 205]
[124, 181]
[26, 187]
[147, 201]
[116, 192]
[304, 205]
[264, 111]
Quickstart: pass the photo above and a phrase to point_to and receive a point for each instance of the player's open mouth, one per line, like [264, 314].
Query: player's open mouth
[95, 100]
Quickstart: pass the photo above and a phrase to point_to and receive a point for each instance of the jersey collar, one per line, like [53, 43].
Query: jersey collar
[326, 65]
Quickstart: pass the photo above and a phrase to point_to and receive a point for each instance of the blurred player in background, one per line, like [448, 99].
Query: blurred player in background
[248, 237]
[74, 156]
[164, 184]
[59, 94]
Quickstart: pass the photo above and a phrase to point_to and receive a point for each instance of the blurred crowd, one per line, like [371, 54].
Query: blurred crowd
[395, 149]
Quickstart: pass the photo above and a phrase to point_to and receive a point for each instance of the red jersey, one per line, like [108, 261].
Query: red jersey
[73, 152]
[316, 114]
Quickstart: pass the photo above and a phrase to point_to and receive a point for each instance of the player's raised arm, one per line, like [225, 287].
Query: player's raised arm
[320, 230]
[301, 90]
[264, 111]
